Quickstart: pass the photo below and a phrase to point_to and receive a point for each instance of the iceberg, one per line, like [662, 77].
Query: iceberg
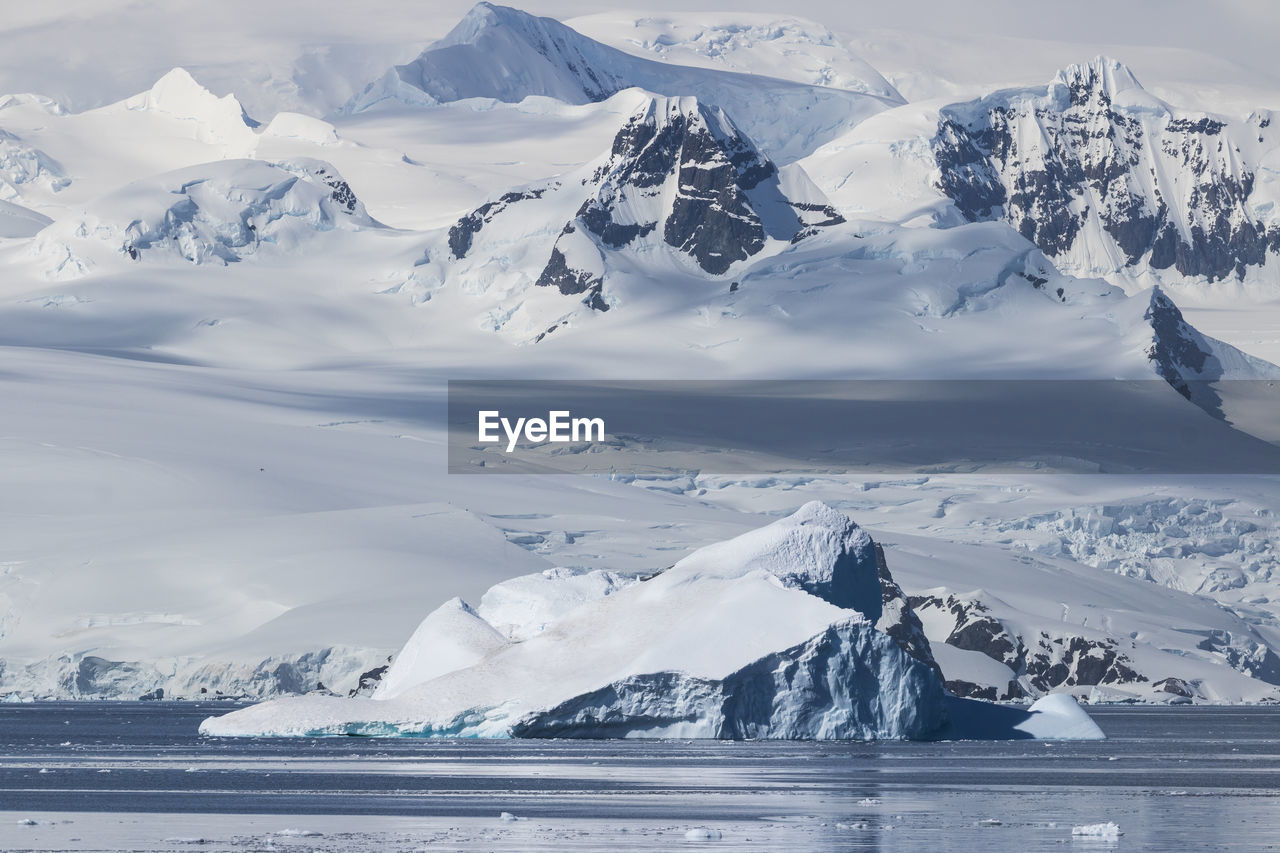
[795, 630]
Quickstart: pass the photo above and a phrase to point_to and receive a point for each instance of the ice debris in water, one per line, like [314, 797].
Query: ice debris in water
[990, 821]
[1097, 830]
[702, 834]
[509, 817]
[869, 801]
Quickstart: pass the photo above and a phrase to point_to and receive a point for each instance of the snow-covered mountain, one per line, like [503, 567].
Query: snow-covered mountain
[1107, 179]
[224, 378]
[679, 180]
[508, 55]
[216, 212]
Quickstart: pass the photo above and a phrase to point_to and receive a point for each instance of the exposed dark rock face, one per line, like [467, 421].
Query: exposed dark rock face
[1042, 663]
[1075, 661]
[676, 169]
[1172, 192]
[1174, 348]
[598, 219]
[813, 218]
[569, 281]
[463, 233]
[898, 620]
[370, 679]
[342, 192]
[711, 218]
[1175, 686]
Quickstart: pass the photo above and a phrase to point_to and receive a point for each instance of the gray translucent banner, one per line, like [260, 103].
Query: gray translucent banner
[730, 427]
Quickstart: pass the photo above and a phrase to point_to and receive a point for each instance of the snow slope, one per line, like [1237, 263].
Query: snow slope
[508, 55]
[217, 212]
[782, 47]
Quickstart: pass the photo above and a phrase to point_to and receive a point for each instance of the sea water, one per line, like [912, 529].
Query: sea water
[137, 777]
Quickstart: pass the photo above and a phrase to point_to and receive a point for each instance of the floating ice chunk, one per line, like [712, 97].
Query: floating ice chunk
[1096, 830]
[299, 833]
[703, 834]
[869, 801]
[509, 817]
[990, 821]
[1059, 717]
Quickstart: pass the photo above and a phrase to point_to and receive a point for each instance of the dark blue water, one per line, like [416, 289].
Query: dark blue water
[136, 776]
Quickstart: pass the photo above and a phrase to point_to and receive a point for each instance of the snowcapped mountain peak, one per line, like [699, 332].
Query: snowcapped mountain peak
[681, 190]
[486, 16]
[1108, 180]
[177, 94]
[1101, 74]
[504, 54]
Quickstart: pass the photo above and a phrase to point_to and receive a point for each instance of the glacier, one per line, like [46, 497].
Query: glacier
[772, 634]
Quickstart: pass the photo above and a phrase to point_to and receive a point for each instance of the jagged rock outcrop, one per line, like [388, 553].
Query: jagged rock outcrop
[1177, 351]
[680, 178]
[1039, 662]
[1105, 178]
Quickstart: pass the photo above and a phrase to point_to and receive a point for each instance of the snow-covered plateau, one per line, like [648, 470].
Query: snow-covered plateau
[233, 295]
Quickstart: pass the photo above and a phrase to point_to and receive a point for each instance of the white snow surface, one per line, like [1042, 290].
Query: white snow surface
[228, 476]
[216, 212]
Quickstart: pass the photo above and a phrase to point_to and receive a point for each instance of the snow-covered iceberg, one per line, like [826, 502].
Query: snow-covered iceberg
[795, 630]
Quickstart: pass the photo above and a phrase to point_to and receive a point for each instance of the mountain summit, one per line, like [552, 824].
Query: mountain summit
[508, 55]
[1104, 177]
[680, 177]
